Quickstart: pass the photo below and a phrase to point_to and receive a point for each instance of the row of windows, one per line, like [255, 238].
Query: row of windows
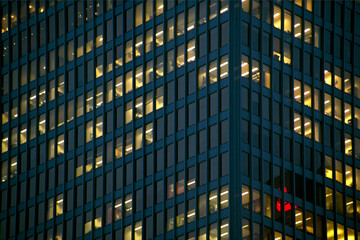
[336, 12]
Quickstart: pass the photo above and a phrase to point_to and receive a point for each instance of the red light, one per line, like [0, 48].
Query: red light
[287, 205]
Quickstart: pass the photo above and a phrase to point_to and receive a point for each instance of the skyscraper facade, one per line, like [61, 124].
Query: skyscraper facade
[155, 119]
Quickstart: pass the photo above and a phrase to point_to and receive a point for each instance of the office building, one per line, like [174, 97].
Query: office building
[155, 119]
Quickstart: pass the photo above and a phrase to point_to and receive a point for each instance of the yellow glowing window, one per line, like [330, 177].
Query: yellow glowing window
[128, 82]
[138, 46]
[149, 134]
[128, 112]
[99, 127]
[59, 204]
[308, 32]
[297, 27]
[60, 145]
[117, 209]
[307, 127]
[347, 113]
[89, 131]
[118, 86]
[138, 77]
[118, 148]
[328, 167]
[191, 51]
[245, 197]
[307, 95]
[89, 101]
[348, 144]
[297, 90]
[245, 66]
[202, 77]
[297, 123]
[224, 66]
[338, 78]
[180, 56]
[277, 17]
[139, 107]
[213, 72]
[327, 104]
[245, 4]
[159, 35]
[159, 98]
[213, 202]
[299, 224]
[128, 51]
[349, 176]
[191, 19]
[338, 109]
[287, 21]
[327, 74]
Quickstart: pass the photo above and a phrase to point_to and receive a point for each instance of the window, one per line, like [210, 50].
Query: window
[277, 17]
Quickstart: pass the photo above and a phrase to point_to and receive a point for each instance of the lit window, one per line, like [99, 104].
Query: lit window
[13, 167]
[213, 72]
[99, 66]
[180, 25]
[5, 143]
[349, 175]
[13, 137]
[5, 113]
[148, 41]
[347, 83]
[255, 71]
[170, 30]
[159, 35]
[191, 19]
[266, 76]
[327, 104]
[89, 101]
[299, 224]
[202, 77]
[191, 51]
[119, 54]
[224, 229]
[99, 156]
[138, 15]
[128, 51]
[128, 112]
[245, 66]
[139, 107]
[89, 42]
[138, 46]
[170, 61]
[245, 4]
[42, 122]
[138, 138]
[307, 95]
[149, 103]
[213, 206]
[42, 95]
[287, 21]
[330, 229]
[224, 6]
[159, 8]
[118, 148]
[23, 103]
[128, 82]
[348, 144]
[307, 127]
[138, 231]
[212, 9]
[149, 10]
[99, 127]
[149, 74]
[159, 66]
[256, 8]
[118, 86]
[109, 91]
[338, 109]
[277, 17]
[337, 78]
[297, 27]
[59, 204]
[287, 53]
[80, 46]
[224, 197]
[180, 56]
[245, 197]
[347, 113]
[148, 134]
[99, 97]
[89, 131]
[224, 66]
[128, 205]
[308, 32]
[159, 98]
[50, 209]
[297, 123]
[117, 209]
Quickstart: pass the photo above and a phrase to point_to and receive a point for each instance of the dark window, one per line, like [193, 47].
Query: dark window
[213, 39]
[224, 130]
[245, 34]
[118, 178]
[202, 45]
[139, 169]
[213, 140]
[245, 98]
[202, 109]
[149, 165]
[159, 191]
[224, 164]
[148, 196]
[245, 131]
[128, 173]
[169, 155]
[255, 103]
[180, 87]
[266, 140]
[267, 172]
[202, 141]
[256, 135]
[180, 150]
[192, 83]
[191, 114]
[245, 164]
[256, 166]
[202, 173]
[298, 154]
[266, 106]
[224, 99]
[213, 169]
[170, 92]
[159, 128]
[224, 34]
[129, 19]
[139, 200]
[256, 39]
[170, 124]
[213, 104]
[277, 177]
[159, 160]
